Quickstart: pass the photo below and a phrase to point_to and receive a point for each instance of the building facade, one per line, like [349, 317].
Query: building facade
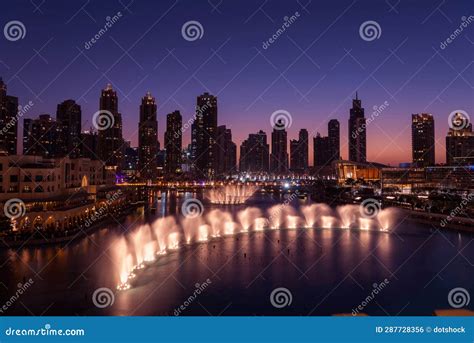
[69, 119]
[147, 139]
[41, 137]
[423, 139]
[279, 155]
[204, 135]
[110, 141]
[8, 121]
[299, 152]
[173, 143]
[226, 152]
[334, 134]
[357, 132]
[460, 142]
[255, 153]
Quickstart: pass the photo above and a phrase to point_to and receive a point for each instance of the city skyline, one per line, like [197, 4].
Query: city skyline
[266, 158]
[64, 130]
[433, 80]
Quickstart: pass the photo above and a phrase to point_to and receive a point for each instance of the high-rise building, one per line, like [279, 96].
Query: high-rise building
[321, 151]
[89, 144]
[299, 152]
[279, 155]
[8, 121]
[226, 151]
[254, 153]
[173, 143]
[68, 117]
[204, 135]
[460, 142]
[326, 149]
[147, 138]
[334, 139]
[110, 143]
[130, 161]
[40, 137]
[423, 139]
[357, 132]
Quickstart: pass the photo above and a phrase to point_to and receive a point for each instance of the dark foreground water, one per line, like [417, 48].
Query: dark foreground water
[326, 272]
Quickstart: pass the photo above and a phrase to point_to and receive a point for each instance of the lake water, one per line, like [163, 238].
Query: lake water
[326, 271]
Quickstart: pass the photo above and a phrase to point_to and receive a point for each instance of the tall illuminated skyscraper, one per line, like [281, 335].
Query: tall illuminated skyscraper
[279, 156]
[8, 121]
[68, 117]
[110, 141]
[255, 153]
[173, 143]
[147, 139]
[299, 152]
[334, 139]
[40, 137]
[357, 132]
[226, 151]
[204, 135]
[423, 139]
[460, 142]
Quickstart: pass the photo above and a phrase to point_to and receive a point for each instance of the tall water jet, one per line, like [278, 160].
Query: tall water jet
[190, 226]
[348, 215]
[231, 194]
[217, 219]
[203, 233]
[261, 223]
[162, 227]
[140, 237]
[276, 216]
[247, 217]
[387, 217]
[119, 253]
[150, 251]
[173, 241]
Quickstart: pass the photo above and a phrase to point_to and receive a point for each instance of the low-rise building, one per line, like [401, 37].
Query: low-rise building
[51, 191]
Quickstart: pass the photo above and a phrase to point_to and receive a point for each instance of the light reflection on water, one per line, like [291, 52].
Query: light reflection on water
[243, 269]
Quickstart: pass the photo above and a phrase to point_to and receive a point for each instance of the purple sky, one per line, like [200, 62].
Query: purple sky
[312, 69]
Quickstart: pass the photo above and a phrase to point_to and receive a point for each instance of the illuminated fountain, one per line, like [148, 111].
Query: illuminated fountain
[146, 243]
[231, 194]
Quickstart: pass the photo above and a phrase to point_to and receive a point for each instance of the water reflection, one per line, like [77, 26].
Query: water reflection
[245, 251]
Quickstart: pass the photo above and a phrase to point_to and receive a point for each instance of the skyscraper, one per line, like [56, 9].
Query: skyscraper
[130, 161]
[299, 152]
[255, 153]
[460, 142]
[326, 149]
[89, 143]
[147, 139]
[279, 156]
[40, 137]
[8, 121]
[423, 139]
[204, 135]
[68, 117]
[226, 151]
[173, 143]
[357, 132]
[110, 141]
[321, 151]
[334, 139]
